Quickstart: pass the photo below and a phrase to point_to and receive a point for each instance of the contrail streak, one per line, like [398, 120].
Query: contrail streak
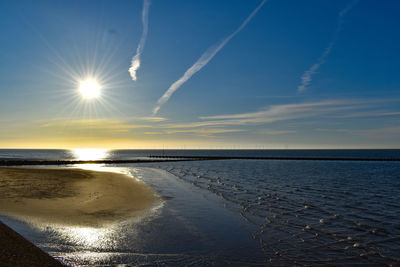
[135, 64]
[202, 61]
[306, 78]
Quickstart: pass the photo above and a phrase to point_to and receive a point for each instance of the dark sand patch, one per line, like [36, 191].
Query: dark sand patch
[17, 251]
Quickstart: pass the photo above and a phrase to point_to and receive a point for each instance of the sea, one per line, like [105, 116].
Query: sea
[238, 212]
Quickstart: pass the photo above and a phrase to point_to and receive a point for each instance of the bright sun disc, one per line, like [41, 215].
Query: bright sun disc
[89, 88]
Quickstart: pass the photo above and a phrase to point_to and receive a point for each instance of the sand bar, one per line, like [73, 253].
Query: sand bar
[68, 196]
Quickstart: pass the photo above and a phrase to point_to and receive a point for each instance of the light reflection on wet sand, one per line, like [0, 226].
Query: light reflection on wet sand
[184, 227]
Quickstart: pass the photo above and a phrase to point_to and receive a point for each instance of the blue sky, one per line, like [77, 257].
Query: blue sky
[246, 96]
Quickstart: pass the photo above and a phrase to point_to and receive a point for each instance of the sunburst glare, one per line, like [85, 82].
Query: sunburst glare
[88, 82]
[89, 88]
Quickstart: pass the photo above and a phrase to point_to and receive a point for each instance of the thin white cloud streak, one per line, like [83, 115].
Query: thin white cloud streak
[204, 132]
[152, 119]
[277, 132]
[272, 114]
[135, 64]
[306, 78]
[369, 114]
[202, 61]
[387, 132]
[286, 111]
[337, 108]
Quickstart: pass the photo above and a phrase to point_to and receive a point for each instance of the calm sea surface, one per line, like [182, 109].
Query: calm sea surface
[241, 212]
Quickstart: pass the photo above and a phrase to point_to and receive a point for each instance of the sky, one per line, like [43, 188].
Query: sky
[200, 74]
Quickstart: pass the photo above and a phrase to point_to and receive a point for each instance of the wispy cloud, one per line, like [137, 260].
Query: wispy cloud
[267, 115]
[277, 132]
[306, 78]
[385, 132]
[368, 114]
[297, 113]
[152, 133]
[209, 126]
[88, 125]
[202, 61]
[204, 132]
[283, 112]
[135, 64]
[62, 132]
[152, 119]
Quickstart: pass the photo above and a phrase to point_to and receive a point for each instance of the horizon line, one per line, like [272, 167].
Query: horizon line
[206, 148]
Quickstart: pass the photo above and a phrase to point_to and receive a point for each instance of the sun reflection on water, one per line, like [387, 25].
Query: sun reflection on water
[92, 245]
[90, 153]
[90, 237]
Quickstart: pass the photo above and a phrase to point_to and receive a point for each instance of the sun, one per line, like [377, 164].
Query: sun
[89, 88]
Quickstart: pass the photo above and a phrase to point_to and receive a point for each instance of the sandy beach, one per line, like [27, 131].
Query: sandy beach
[17, 251]
[67, 196]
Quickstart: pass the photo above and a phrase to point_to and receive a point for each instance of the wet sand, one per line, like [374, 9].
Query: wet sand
[72, 196]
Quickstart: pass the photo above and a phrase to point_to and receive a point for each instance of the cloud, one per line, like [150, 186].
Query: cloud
[306, 78]
[135, 64]
[204, 132]
[202, 61]
[88, 125]
[67, 133]
[152, 133]
[282, 112]
[191, 124]
[277, 132]
[368, 114]
[382, 133]
[307, 113]
[152, 119]
[220, 124]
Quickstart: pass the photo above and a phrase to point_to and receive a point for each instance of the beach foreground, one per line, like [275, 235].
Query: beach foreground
[67, 196]
[17, 251]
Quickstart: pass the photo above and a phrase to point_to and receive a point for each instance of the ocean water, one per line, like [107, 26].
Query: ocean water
[241, 212]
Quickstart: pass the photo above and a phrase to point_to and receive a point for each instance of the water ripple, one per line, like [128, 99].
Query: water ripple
[309, 213]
